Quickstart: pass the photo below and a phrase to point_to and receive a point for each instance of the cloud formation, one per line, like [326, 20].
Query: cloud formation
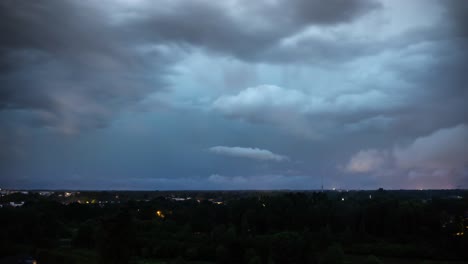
[443, 149]
[442, 154]
[75, 66]
[367, 161]
[250, 153]
[66, 67]
[113, 89]
[251, 31]
[300, 111]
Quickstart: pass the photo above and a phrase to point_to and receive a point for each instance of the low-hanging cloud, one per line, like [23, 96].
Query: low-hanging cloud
[367, 161]
[440, 157]
[298, 110]
[444, 149]
[250, 153]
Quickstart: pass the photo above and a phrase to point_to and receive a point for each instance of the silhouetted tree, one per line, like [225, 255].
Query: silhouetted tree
[371, 259]
[334, 255]
[115, 239]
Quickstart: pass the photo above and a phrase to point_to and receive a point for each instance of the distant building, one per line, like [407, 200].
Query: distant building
[16, 204]
[216, 201]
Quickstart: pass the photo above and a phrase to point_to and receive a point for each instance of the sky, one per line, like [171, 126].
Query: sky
[233, 94]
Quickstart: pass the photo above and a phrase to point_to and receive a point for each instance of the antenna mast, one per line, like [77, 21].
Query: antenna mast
[322, 182]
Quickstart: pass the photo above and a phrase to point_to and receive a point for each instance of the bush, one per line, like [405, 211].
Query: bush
[334, 255]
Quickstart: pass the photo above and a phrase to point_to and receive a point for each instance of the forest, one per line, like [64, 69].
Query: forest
[236, 227]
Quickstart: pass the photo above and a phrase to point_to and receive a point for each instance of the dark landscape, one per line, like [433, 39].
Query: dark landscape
[380, 226]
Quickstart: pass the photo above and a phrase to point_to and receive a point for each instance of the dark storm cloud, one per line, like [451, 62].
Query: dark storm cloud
[74, 64]
[435, 72]
[247, 30]
[428, 92]
[64, 63]
[457, 11]
[71, 66]
[432, 71]
[434, 125]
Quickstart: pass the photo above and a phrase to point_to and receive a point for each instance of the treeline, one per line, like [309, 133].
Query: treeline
[282, 228]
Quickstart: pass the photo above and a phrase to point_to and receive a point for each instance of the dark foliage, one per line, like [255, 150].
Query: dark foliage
[237, 227]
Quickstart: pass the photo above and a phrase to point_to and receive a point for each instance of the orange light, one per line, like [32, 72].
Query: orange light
[160, 214]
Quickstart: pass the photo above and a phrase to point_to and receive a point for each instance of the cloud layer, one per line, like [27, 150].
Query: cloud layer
[439, 155]
[133, 93]
[366, 161]
[250, 153]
